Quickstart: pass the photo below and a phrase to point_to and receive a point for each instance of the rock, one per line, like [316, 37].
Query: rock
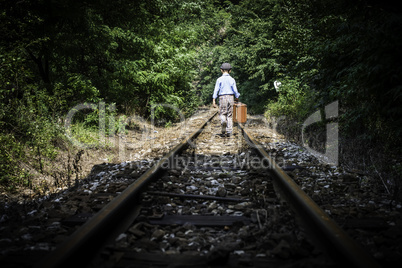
[168, 207]
[230, 186]
[158, 234]
[241, 206]
[191, 188]
[148, 244]
[238, 252]
[221, 192]
[180, 234]
[121, 237]
[172, 239]
[243, 232]
[245, 191]
[236, 180]
[135, 230]
[164, 245]
[212, 206]
[214, 183]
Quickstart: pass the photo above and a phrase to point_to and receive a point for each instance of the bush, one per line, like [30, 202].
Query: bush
[11, 157]
[294, 101]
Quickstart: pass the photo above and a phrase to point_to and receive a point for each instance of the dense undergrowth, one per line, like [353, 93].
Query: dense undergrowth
[160, 59]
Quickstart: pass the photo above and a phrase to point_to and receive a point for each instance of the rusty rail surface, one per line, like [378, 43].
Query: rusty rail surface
[335, 241]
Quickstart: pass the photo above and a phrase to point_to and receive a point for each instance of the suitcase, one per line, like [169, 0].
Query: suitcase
[239, 113]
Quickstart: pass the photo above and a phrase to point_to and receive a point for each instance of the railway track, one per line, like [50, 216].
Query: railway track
[214, 202]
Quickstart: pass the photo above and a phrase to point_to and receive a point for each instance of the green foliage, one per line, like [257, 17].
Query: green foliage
[27, 139]
[54, 55]
[81, 133]
[293, 102]
[12, 152]
[360, 67]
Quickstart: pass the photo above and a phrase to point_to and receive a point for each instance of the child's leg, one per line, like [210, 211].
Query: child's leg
[229, 114]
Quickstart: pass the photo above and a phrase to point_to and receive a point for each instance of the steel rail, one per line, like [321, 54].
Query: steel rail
[336, 242]
[81, 247]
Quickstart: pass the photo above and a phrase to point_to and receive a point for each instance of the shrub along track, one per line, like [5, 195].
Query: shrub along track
[211, 204]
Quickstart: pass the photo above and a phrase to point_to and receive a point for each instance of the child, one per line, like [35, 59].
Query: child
[226, 89]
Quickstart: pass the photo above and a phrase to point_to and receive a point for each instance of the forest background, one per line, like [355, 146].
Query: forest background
[131, 55]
